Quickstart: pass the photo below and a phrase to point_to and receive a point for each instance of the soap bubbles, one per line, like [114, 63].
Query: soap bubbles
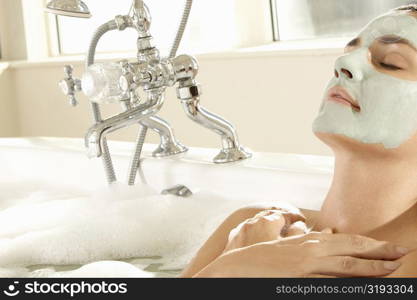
[115, 223]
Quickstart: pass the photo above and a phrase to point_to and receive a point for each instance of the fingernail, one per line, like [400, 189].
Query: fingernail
[402, 250]
[327, 230]
[391, 265]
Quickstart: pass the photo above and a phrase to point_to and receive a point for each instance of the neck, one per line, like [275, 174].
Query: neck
[369, 194]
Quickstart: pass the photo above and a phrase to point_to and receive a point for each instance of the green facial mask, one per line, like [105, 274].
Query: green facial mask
[388, 113]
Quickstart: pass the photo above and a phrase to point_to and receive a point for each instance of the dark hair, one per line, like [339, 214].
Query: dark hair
[409, 7]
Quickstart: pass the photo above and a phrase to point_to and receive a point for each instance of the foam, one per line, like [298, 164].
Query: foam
[104, 269]
[115, 223]
[13, 193]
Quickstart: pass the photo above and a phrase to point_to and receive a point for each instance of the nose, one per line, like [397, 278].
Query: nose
[346, 72]
[351, 66]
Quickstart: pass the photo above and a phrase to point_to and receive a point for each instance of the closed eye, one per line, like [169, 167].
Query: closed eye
[390, 67]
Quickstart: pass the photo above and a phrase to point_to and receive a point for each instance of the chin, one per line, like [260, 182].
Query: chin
[335, 141]
[342, 144]
[334, 132]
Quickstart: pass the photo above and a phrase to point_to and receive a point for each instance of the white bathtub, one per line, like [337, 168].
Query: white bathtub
[302, 180]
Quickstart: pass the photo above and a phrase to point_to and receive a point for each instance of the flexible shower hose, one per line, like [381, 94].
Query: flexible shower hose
[181, 28]
[108, 164]
[135, 163]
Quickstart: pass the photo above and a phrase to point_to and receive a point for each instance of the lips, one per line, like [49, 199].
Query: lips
[340, 95]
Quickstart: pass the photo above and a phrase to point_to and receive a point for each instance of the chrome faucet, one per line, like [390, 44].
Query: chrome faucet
[139, 19]
[183, 70]
[153, 74]
[96, 134]
[189, 92]
[168, 145]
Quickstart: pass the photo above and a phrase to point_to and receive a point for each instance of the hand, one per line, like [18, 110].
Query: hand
[268, 225]
[310, 255]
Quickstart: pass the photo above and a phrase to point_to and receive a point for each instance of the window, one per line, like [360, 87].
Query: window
[204, 32]
[308, 19]
[75, 33]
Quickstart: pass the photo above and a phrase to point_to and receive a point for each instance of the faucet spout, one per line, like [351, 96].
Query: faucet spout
[231, 150]
[168, 145]
[94, 139]
[188, 91]
[211, 121]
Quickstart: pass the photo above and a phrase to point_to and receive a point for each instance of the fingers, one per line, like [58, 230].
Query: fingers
[272, 221]
[358, 246]
[269, 215]
[299, 228]
[296, 228]
[283, 219]
[265, 226]
[340, 244]
[298, 239]
[320, 276]
[290, 209]
[292, 215]
[327, 230]
[346, 266]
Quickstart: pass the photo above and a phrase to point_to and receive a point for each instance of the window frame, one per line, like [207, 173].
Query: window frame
[277, 33]
[274, 21]
[55, 36]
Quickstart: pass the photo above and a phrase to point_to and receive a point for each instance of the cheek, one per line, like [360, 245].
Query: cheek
[379, 92]
[386, 99]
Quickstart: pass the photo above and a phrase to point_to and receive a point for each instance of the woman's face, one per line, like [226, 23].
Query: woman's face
[372, 97]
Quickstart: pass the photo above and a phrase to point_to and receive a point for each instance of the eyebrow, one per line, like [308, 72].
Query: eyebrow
[354, 42]
[395, 39]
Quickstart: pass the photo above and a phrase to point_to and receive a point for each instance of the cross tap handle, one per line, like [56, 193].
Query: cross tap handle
[70, 85]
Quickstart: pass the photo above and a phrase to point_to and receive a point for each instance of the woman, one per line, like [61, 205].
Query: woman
[367, 225]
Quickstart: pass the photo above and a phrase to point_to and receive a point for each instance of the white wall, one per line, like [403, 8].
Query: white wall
[12, 33]
[8, 109]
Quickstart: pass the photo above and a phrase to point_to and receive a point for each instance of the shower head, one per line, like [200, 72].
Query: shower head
[70, 8]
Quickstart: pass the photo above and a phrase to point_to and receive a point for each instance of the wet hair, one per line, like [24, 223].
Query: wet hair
[412, 7]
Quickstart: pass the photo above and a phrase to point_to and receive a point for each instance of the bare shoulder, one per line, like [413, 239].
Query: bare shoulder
[408, 266]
